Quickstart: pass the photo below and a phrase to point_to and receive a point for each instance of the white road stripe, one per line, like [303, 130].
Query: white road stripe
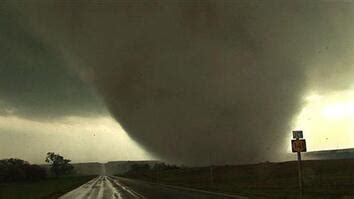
[101, 189]
[115, 193]
[128, 190]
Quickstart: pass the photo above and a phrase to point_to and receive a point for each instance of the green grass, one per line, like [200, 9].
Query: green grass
[49, 188]
[323, 179]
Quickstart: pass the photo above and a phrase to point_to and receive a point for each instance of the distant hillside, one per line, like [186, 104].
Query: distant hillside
[109, 168]
[330, 154]
[120, 167]
[90, 168]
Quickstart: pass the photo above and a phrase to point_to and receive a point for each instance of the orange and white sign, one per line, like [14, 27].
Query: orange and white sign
[298, 145]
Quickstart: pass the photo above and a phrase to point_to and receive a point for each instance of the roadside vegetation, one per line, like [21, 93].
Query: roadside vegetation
[43, 189]
[322, 178]
[20, 179]
[14, 170]
[59, 166]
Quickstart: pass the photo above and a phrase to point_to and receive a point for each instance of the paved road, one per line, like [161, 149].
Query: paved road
[101, 187]
[106, 187]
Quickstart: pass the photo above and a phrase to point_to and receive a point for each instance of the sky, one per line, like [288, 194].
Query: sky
[44, 106]
[192, 82]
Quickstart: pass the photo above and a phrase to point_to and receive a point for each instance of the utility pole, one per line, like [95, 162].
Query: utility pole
[211, 172]
[211, 175]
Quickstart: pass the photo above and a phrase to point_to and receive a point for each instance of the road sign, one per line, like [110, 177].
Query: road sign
[298, 145]
[297, 134]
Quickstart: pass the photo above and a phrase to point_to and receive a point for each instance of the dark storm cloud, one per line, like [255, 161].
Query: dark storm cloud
[204, 81]
[34, 81]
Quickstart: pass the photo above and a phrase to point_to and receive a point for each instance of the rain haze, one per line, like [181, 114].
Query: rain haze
[187, 82]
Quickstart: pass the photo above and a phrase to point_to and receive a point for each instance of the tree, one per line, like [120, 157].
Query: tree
[59, 165]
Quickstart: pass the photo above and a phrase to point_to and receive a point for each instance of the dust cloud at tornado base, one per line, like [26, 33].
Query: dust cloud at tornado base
[202, 82]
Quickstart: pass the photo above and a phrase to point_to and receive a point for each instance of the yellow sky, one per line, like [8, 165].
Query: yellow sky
[79, 139]
[327, 120]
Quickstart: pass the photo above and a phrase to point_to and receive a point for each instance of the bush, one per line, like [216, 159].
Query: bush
[12, 170]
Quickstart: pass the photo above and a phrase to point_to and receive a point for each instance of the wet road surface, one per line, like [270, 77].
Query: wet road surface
[101, 187]
[107, 187]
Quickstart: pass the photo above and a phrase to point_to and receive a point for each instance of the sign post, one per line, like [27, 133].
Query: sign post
[298, 145]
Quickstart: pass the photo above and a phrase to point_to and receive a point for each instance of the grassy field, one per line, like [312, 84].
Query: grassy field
[323, 179]
[49, 188]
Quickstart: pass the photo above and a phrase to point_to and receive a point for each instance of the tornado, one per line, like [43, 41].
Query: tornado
[201, 82]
